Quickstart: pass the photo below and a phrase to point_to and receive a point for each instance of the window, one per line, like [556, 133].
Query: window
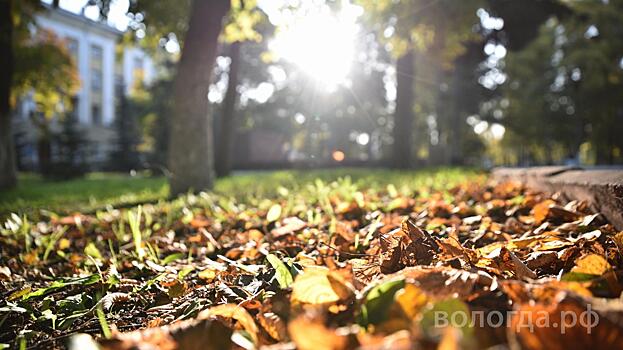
[138, 65]
[73, 46]
[96, 71]
[96, 68]
[137, 72]
[96, 114]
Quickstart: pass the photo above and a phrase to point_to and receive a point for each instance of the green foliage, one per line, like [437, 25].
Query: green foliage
[135, 228]
[243, 18]
[125, 156]
[562, 97]
[282, 272]
[72, 151]
[43, 64]
[378, 301]
[153, 110]
[165, 19]
[440, 28]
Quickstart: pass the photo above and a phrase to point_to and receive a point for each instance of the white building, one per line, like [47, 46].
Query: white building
[93, 46]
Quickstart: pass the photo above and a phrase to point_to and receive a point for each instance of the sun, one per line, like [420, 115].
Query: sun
[321, 43]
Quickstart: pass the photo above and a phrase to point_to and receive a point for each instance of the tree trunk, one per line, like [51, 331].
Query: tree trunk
[402, 157]
[8, 172]
[44, 154]
[190, 153]
[224, 149]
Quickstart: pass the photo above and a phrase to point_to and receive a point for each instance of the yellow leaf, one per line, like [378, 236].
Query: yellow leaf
[273, 325]
[235, 312]
[207, 275]
[313, 335]
[618, 240]
[541, 210]
[274, 213]
[63, 244]
[592, 264]
[31, 258]
[317, 285]
[411, 300]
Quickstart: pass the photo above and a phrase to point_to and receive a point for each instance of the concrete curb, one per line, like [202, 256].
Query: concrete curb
[601, 188]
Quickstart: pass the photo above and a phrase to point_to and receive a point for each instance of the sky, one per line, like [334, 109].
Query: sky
[116, 17]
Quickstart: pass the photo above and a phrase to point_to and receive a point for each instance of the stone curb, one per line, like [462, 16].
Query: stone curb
[601, 188]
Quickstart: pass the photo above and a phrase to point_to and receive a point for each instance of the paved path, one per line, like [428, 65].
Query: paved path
[601, 187]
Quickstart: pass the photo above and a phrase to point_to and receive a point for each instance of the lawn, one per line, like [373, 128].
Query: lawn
[340, 259]
[98, 190]
[86, 194]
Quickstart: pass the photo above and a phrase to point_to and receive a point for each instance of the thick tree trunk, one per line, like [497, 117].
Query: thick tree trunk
[190, 152]
[8, 172]
[402, 156]
[224, 149]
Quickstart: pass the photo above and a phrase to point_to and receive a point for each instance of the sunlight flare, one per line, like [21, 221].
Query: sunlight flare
[321, 43]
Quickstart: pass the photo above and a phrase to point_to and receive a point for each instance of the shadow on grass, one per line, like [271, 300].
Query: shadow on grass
[94, 191]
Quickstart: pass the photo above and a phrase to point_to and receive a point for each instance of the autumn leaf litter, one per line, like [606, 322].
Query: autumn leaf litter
[338, 270]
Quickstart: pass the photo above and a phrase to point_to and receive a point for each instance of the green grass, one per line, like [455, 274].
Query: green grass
[267, 183]
[98, 190]
[94, 191]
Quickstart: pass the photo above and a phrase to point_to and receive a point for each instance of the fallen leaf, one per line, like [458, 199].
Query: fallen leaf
[274, 213]
[235, 312]
[208, 274]
[289, 225]
[507, 260]
[566, 323]
[313, 335]
[282, 273]
[591, 264]
[318, 285]
[273, 325]
[5, 273]
[536, 260]
[541, 210]
[198, 334]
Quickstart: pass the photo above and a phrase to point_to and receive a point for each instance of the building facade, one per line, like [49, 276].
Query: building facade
[104, 77]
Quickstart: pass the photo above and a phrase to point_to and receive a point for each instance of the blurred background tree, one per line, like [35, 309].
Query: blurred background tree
[35, 62]
[425, 44]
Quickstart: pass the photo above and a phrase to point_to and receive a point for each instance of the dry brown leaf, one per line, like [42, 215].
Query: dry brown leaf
[506, 260]
[273, 325]
[196, 334]
[442, 282]
[536, 260]
[548, 320]
[401, 340]
[407, 246]
[288, 226]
